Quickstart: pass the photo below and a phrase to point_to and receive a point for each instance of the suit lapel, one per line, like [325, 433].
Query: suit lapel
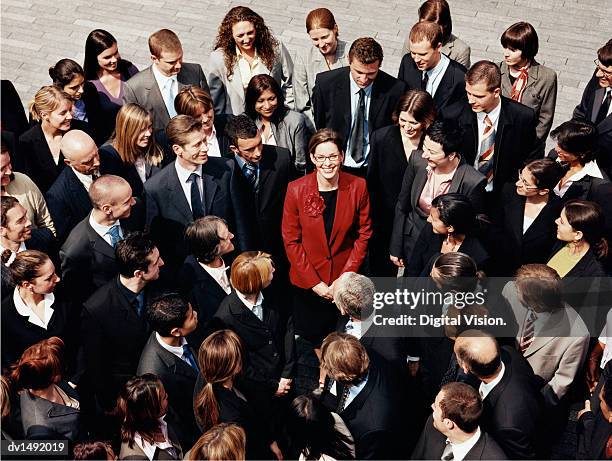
[444, 87]
[172, 362]
[179, 200]
[599, 94]
[419, 183]
[516, 215]
[244, 314]
[154, 93]
[236, 83]
[557, 326]
[315, 223]
[210, 188]
[98, 244]
[343, 212]
[377, 99]
[343, 99]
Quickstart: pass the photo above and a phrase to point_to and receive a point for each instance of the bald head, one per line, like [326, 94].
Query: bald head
[112, 196]
[478, 353]
[80, 152]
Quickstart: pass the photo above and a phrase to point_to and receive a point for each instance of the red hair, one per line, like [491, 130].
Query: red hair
[40, 365]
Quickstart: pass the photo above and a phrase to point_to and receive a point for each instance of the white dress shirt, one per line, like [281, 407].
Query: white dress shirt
[494, 117]
[26, 311]
[141, 168]
[149, 449]
[85, 179]
[102, 230]
[485, 389]
[590, 169]
[22, 247]
[250, 306]
[175, 350]
[436, 74]
[219, 274]
[460, 450]
[214, 150]
[348, 160]
[354, 391]
[168, 86]
[183, 176]
[249, 70]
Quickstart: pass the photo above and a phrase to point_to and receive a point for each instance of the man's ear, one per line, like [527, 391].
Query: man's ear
[176, 332]
[153, 58]
[234, 149]
[178, 150]
[497, 92]
[66, 161]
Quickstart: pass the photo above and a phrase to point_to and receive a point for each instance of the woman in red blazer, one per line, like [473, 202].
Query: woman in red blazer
[326, 228]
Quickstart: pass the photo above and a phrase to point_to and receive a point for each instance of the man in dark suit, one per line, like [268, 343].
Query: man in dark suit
[67, 199]
[595, 423]
[12, 114]
[113, 325]
[88, 254]
[596, 105]
[356, 100]
[426, 68]
[204, 276]
[155, 87]
[512, 403]
[363, 394]
[260, 175]
[168, 355]
[191, 187]
[452, 431]
[499, 134]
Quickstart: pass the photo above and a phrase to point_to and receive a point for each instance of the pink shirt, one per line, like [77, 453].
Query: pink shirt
[437, 184]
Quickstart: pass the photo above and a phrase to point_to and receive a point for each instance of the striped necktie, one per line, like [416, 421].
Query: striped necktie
[528, 330]
[487, 148]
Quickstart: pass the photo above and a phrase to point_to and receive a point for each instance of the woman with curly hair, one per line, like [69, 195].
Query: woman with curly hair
[245, 47]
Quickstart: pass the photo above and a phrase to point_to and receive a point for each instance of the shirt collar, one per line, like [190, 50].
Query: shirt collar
[149, 449]
[129, 294]
[176, 350]
[590, 169]
[485, 389]
[160, 78]
[249, 304]
[241, 162]
[493, 115]
[184, 174]
[84, 178]
[241, 56]
[355, 88]
[26, 311]
[101, 229]
[460, 450]
[434, 71]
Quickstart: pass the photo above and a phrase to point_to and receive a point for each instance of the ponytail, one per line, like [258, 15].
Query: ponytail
[207, 407]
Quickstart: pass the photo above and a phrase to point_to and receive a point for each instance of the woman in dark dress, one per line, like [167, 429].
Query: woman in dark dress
[31, 312]
[219, 400]
[390, 149]
[39, 152]
[108, 72]
[450, 227]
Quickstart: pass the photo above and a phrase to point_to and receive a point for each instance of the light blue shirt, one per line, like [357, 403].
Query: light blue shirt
[354, 391]
[241, 162]
[348, 160]
[436, 74]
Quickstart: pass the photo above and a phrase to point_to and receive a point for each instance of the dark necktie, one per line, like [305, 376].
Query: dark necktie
[197, 208]
[356, 139]
[425, 81]
[250, 173]
[603, 110]
[343, 397]
[189, 358]
[139, 303]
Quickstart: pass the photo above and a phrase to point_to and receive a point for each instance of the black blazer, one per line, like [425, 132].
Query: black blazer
[373, 417]
[112, 339]
[512, 411]
[510, 247]
[515, 138]
[179, 381]
[259, 215]
[36, 159]
[588, 108]
[204, 294]
[431, 445]
[18, 333]
[168, 213]
[88, 261]
[269, 346]
[332, 101]
[593, 434]
[409, 218]
[584, 189]
[12, 114]
[386, 169]
[451, 89]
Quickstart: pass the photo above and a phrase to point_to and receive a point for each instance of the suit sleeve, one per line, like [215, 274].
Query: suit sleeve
[464, 57]
[531, 146]
[582, 112]
[292, 238]
[60, 214]
[301, 137]
[547, 110]
[318, 105]
[287, 70]
[402, 209]
[401, 74]
[128, 94]
[290, 354]
[202, 83]
[566, 372]
[42, 217]
[514, 442]
[301, 92]
[477, 195]
[364, 232]
[215, 80]
[375, 445]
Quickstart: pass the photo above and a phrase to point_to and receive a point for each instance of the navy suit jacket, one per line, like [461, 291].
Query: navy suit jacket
[451, 88]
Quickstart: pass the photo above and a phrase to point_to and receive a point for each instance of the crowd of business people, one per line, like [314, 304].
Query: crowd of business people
[175, 241]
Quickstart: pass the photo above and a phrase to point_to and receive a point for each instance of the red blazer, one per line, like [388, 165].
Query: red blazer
[312, 259]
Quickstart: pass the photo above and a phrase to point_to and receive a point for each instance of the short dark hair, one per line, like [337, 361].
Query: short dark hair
[485, 72]
[539, 287]
[425, 31]
[257, 85]
[241, 127]
[167, 312]
[132, 253]
[203, 238]
[578, 137]
[322, 136]
[180, 127]
[64, 71]
[462, 405]
[604, 54]
[546, 172]
[447, 133]
[366, 50]
[456, 210]
[521, 36]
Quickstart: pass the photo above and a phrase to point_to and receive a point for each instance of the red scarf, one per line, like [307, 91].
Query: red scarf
[519, 84]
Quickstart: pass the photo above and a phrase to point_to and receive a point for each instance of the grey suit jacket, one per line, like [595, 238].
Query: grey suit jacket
[558, 349]
[142, 88]
[307, 65]
[540, 94]
[292, 133]
[228, 93]
[455, 48]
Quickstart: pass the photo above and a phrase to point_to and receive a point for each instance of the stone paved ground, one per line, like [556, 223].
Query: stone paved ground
[37, 33]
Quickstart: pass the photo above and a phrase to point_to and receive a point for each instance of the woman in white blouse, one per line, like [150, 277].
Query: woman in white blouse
[327, 52]
[245, 47]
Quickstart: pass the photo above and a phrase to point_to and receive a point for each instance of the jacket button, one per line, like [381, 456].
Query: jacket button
[275, 354]
[270, 342]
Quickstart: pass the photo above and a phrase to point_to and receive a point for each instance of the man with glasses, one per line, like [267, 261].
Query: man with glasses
[596, 105]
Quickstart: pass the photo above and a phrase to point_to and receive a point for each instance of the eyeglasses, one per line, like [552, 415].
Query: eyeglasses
[333, 158]
[524, 183]
[600, 67]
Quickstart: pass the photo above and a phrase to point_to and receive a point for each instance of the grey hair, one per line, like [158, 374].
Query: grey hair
[354, 293]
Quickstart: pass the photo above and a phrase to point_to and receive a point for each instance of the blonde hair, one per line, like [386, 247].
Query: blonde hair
[344, 357]
[132, 119]
[47, 99]
[250, 271]
[5, 397]
[222, 442]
